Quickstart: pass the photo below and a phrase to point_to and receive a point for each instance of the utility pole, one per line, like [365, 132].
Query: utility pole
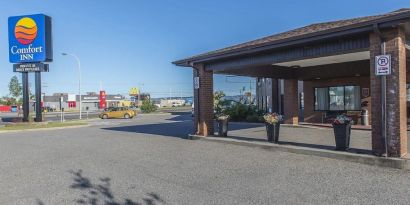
[79, 77]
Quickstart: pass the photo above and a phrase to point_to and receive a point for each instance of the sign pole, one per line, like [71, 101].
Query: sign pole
[39, 117]
[26, 105]
[196, 102]
[383, 96]
[383, 68]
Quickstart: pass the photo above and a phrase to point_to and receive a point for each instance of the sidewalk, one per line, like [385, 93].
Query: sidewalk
[308, 140]
[327, 125]
[302, 135]
[354, 127]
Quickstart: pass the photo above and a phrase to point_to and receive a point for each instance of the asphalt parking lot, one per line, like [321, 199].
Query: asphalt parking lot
[146, 161]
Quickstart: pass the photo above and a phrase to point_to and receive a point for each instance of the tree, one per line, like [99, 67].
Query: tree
[148, 106]
[5, 100]
[15, 88]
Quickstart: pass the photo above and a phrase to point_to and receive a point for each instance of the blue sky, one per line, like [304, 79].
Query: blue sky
[126, 43]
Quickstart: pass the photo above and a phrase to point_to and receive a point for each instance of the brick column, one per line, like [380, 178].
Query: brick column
[290, 103]
[396, 107]
[203, 98]
[275, 95]
[196, 103]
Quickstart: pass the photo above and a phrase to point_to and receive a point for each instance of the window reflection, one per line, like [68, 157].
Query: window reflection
[336, 98]
[352, 98]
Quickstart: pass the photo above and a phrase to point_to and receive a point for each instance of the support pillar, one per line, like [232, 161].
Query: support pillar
[39, 117]
[396, 108]
[275, 95]
[203, 98]
[291, 107]
[196, 103]
[26, 96]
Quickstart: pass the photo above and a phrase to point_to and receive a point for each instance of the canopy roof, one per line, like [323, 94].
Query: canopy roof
[302, 35]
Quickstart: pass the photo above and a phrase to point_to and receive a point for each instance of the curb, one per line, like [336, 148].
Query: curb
[329, 127]
[44, 129]
[165, 113]
[397, 163]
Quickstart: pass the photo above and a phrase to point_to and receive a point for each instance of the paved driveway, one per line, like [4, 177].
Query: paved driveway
[143, 161]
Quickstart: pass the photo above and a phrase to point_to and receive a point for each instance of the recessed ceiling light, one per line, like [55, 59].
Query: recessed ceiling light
[317, 78]
[357, 74]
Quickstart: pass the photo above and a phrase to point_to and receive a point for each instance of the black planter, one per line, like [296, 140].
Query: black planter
[342, 136]
[272, 131]
[223, 128]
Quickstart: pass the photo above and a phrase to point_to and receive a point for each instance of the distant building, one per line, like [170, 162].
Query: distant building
[172, 103]
[71, 101]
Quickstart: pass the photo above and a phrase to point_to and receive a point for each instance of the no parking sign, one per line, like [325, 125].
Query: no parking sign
[383, 65]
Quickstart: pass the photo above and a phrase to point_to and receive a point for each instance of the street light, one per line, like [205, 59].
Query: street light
[79, 76]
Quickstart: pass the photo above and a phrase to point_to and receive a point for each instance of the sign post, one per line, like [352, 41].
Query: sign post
[196, 82]
[383, 68]
[103, 100]
[39, 117]
[135, 92]
[26, 94]
[30, 46]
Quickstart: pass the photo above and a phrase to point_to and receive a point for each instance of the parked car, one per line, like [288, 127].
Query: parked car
[135, 109]
[117, 112]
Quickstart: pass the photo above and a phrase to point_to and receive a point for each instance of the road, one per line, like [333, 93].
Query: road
[51, 116]
[145, 161]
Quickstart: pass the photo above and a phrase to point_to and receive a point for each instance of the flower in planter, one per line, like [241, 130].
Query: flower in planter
[273, 118]
[342, 120]
[222, 117]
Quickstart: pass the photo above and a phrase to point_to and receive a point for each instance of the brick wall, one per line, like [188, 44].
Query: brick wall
[291, 104]
[204, 97]
[396, 107]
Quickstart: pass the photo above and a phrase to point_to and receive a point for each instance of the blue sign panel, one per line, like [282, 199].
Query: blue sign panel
[30, 39]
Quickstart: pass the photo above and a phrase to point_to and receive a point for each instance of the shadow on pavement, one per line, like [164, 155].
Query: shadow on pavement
[181, 117]
[179, 126]
[100, 193]
[241, 125]
[173, 129]
[11, 119]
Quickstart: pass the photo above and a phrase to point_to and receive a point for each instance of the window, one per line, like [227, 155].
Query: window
[408, 92]
[352, 98]
[337, 98]
[321, 98]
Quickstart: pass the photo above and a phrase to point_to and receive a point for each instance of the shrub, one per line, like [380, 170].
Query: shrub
[238, 112]
[253, 118]
[242, 112]
[220, 103]
[148, 106]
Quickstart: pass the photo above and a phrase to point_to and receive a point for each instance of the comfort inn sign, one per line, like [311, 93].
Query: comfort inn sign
[30, 39]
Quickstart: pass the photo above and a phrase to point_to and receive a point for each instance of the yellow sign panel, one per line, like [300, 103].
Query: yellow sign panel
[134, 91]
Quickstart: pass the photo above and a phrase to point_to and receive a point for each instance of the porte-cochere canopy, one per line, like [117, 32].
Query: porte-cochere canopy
[332, 54]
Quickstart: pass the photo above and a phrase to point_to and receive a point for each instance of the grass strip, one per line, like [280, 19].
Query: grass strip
[28, 126]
